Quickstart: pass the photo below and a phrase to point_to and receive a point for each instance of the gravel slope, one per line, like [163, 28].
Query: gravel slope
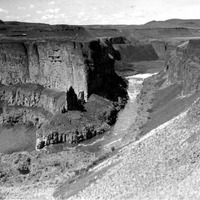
[164, 164]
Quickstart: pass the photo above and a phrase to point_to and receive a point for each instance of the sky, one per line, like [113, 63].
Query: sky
[83, 12]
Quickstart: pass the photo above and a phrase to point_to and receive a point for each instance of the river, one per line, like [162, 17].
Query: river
[126, 117]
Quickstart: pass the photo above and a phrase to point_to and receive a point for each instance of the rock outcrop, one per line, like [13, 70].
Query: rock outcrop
[134, 53]
[131, 57]
[44, 81]
[55, 65]
[183, 66]
[160, 48]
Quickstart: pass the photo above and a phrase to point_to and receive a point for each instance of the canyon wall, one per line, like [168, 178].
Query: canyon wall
[55, 65]
[183, 66]
[44, 81]
[160, 48]
[52, 67]
[133, 57]
[135, 53]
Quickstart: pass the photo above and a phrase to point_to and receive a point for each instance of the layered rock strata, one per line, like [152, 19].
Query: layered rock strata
[34, 95]
[43, 81]
[160, 48]
[183, 66]
[139, 52]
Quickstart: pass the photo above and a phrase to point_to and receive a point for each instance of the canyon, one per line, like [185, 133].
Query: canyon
[99, 112]
[43, 81]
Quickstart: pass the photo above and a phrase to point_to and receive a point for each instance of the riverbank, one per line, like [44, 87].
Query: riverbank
[155, 164]
[144, 104]
[50, 170]
[157, 103]
[163, 164]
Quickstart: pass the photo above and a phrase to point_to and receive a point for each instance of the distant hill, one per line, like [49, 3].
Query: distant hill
[18, 29]
[17, 23]
[172, 28]
[187, 23]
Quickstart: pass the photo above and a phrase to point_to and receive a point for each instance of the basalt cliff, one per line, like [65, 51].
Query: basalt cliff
[183, 65]
[67, 89]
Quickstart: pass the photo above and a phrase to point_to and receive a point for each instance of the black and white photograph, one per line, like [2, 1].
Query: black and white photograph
[99, 100]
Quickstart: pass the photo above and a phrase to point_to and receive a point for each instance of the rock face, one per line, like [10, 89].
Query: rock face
[34, 95]
[138, 52]
[57, 66]
[183, 66]
[160, 48]
[41, 81]
[132, 55]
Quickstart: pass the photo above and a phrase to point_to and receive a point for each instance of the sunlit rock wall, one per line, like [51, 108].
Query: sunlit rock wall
[57, 65]
[183, 66]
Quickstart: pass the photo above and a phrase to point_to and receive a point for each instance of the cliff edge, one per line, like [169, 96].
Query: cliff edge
[183, 64]
[43, 81]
